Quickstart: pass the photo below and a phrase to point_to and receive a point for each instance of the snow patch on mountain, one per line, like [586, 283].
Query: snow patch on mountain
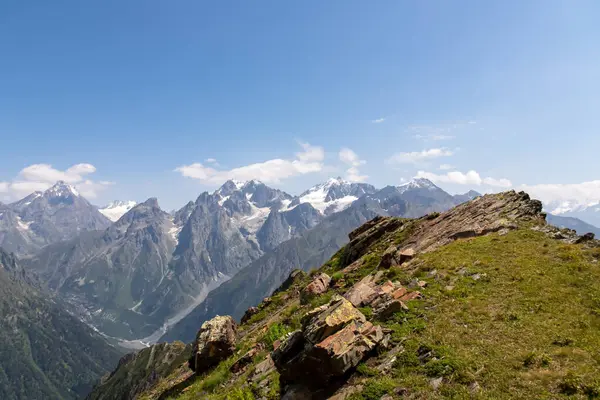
[332, 196]
[23, 225]
[572, 206]
[174, 233]
[115, 209]
[417, 183]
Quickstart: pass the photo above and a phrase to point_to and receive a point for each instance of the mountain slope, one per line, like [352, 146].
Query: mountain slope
[46, 353]
[492, 306]
[573, 223]
[60, 213]
[107, 274]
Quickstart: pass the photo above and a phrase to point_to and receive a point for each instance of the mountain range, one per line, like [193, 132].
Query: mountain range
[137, 274]
[137, 278]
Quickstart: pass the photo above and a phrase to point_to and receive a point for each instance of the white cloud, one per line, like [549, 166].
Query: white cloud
[561, 198]
[45, 173]
[211, 161]
[437, 132]
[502, 182]
[347, 156]
[309, 160]
[39, 177]
[469, 178]
[416, 157]
[446, 167]
[350, 158]
[434, 137]
[378, 120]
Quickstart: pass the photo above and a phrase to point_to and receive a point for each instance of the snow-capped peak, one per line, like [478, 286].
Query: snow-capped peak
[333, 195]
[233, 185]
[333, 182]
[61, 189]
[417, 183]
[115, 209]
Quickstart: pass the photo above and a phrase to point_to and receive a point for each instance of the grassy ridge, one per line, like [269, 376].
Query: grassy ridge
[503, 316]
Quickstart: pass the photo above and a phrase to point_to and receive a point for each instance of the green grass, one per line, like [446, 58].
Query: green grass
[530, 329]
[527, 328]
[275, 332]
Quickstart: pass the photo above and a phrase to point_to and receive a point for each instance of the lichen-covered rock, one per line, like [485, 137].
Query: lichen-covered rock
[319, 285]
[215, 342]
[329, 318]
[346, 348]
[363, 292]
[334, 338]
[405, 255]
[388, 259]
[386, 309]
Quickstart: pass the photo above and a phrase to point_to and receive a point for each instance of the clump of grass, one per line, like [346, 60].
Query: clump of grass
[321, 299]
[337, 276]
[244, 393]
[274, 332]
[367, 311]
[374, 389]
[534, 359]
[365, 370]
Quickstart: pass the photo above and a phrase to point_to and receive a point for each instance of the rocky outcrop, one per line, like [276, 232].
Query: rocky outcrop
[364, 291]
[334, 338]
[481, 216]
[362, 238]
[319, 285]
[294, 277]
[249, 313]
[215, 342]
[245, 360]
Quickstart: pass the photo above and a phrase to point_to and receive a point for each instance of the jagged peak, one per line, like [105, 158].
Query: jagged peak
[151, 202]
[61, 189]
[233, 185]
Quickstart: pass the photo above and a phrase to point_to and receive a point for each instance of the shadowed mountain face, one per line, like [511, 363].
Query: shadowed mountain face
[46, 352]
[576, 224]
[60, 213]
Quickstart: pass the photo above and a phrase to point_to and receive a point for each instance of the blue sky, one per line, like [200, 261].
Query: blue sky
[128, 100]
